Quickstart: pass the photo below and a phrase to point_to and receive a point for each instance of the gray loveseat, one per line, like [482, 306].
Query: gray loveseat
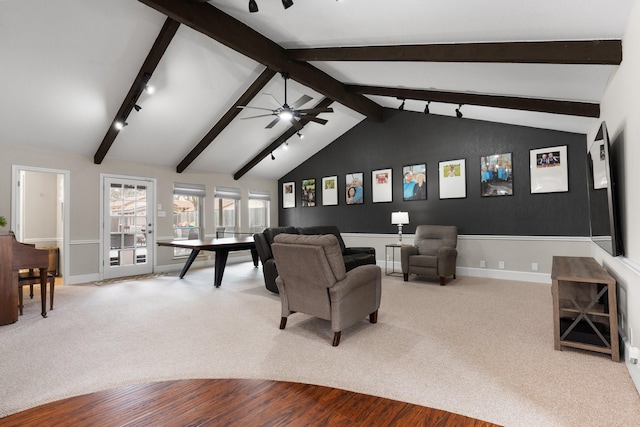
[352, 257]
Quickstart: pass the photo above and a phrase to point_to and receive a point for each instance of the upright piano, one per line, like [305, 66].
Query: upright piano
[15, 256]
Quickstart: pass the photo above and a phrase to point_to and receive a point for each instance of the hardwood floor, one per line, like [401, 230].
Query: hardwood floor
[222, 402]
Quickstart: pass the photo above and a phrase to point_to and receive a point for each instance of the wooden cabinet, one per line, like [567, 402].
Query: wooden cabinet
[585, 313]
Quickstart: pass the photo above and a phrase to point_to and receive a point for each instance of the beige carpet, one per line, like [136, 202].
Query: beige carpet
[478, 347]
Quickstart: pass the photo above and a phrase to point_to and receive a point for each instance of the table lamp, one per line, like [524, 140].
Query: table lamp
[400, 218]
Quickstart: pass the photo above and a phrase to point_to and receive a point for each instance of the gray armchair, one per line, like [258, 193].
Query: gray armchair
[433, 252]
[312, 279]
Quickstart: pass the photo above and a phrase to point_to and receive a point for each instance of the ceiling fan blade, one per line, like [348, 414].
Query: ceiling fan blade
[296, 124]
[273, 98]
[315, 110]
[257, 108]
[273, 123]
[301, 101]
[254, 117]
[317, 120]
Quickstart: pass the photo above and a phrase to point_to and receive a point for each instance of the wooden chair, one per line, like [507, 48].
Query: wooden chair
[31, 277]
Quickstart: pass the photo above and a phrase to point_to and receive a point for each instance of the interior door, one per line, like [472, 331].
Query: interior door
[128, 226]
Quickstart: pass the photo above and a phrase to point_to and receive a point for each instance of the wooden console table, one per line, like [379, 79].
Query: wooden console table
[585, 313]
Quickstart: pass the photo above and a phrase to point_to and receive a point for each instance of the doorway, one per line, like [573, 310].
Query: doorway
[40, 212]
[128, 224]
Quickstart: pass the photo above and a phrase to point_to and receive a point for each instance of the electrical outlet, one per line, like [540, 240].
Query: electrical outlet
[534, 266]
[501, 264]
[483, 264]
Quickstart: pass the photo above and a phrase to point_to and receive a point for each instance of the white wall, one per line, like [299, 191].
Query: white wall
[620, 108]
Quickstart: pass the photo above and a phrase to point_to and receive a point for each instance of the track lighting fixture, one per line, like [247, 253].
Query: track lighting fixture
[301, 136]
[272, 156]
[458, 112]
[401, 107]
[426, 107]
[149, 89]
[120, 124]
[137, 107]
[286, 145]
[287, 3]
[253, 6]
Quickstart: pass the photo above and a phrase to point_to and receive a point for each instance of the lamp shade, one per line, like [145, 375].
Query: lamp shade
[399, 218]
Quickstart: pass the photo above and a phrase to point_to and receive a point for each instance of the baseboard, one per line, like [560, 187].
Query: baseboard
[634, 369]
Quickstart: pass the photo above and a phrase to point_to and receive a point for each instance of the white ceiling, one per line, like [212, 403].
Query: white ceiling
[67, 65]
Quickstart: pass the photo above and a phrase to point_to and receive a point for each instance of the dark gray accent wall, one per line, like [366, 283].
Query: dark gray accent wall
[406, 138]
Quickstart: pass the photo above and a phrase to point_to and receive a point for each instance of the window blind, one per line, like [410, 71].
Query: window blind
[228, 193]
[188, 189]
[259, 195]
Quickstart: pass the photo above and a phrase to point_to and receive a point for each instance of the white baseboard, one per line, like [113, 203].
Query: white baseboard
[634, 369]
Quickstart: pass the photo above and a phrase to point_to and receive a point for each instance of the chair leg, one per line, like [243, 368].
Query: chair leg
[283, 322]
[20, 301]
[336, 338]
[52, 284]
[405, 276]
[373, 317]
[442, 281]
[454, 275]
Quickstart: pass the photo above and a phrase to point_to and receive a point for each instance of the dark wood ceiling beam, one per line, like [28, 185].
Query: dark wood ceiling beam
[326, 102]
[148, 67]
[572, 108]
[208, 20]
[228, 117]
[602, 52]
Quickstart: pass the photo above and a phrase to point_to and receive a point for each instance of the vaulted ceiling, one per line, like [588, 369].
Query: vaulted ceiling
[72, 68]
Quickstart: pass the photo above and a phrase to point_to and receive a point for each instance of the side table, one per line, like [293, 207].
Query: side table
[393, 248]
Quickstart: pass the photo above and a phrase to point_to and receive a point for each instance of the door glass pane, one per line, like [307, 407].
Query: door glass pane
[127, 224]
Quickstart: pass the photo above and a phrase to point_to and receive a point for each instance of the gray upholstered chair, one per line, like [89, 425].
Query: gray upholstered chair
[433, 252]
[312, 279]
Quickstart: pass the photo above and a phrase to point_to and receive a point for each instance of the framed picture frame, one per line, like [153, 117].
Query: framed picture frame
[288, 195]
[308, 192]
[452, 179]
[354, 191]
[329, 191]
[496, 175]
[549, 170]
[381, 189]
[414, 182]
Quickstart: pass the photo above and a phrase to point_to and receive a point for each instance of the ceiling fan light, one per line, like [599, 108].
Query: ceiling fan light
[253, 6]
[287, 3]
[285, 115]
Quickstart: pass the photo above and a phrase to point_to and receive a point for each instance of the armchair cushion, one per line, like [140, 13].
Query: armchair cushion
[433, 253]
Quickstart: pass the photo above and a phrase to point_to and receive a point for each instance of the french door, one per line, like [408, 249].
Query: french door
[128, 226]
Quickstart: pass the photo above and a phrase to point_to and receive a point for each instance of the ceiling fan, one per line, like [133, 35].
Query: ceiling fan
[291, 113]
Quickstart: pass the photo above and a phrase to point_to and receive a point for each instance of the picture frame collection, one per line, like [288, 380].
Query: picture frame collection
[548, 174]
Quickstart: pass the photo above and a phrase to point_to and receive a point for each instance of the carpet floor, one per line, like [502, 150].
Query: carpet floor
[477, 347]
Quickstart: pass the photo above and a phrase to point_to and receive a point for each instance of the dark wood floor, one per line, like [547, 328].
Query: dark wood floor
[225, 402]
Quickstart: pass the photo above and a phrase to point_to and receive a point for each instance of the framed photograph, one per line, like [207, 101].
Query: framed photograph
[308, 192]
[414, 182]
[330, 191]
[381, 190]
[452, 177]
[496, 175]
[288, 195]
[354, 191]
[548, 167]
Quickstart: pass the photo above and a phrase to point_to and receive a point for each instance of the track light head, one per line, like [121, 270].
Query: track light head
[458, 112]
[301, 136]
[149, 89]
[272, 156]
[401, 107]
[253, 6]
[287, 3]
[137, 107]
[119, 124]
[426, 107]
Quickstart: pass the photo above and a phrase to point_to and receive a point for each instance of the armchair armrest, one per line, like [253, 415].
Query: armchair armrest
[355, 278]
[447, 260]
[405, 252]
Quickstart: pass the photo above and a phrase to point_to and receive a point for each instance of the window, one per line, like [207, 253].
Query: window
[188, 200]
[226, 208]
[259, 202]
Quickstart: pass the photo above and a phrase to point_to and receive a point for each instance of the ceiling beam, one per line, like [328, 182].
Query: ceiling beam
[148, 67]
[572, 108]
[326, 102]
[228, 117]
[592, 52]
[208, 20]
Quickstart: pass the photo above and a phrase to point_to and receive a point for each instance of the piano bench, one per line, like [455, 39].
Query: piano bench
[32, 277]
